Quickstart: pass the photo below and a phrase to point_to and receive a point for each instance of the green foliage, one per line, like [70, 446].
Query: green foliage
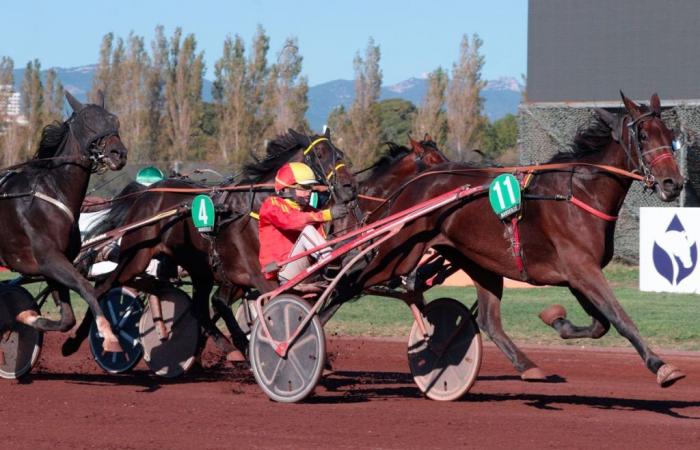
[500, 136]
[395, 119]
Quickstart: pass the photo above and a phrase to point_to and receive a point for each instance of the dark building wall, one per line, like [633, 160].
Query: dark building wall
[586, 50]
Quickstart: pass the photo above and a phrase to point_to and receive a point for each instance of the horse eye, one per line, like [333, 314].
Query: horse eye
[676, 144]
[643, 136]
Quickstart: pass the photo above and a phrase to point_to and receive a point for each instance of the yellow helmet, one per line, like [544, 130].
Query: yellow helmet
[294, 174]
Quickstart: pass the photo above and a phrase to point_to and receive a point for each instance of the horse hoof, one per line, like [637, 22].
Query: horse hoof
[70, 346]
[235, 356]
[667, 375]
[112, 346]
[550, 314]
[533, 374]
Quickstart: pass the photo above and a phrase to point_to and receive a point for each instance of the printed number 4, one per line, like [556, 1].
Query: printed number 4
[511, 194]
[203, 211]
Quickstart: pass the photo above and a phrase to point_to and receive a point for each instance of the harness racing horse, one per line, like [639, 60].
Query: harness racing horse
[41, 200]
[565, 231]
[229, 256]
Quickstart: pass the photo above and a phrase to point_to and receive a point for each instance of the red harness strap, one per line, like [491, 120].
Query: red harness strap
[592, 210]
[516, 245]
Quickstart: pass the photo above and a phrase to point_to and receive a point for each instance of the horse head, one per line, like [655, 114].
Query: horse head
[650, 144]
[329, 164]
[97, 132]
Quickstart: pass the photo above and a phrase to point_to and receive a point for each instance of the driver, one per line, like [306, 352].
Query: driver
[291, 223]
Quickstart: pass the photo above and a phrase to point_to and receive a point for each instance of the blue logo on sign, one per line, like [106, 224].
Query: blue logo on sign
[675, 257]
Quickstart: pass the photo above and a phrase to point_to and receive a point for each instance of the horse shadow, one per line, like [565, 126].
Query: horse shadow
[147, 381]
[364, 386]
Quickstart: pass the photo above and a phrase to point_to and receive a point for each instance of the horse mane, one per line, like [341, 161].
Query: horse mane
[393, 153]
[588, 139]
[118, 209]
[52, 136]
[278, 152]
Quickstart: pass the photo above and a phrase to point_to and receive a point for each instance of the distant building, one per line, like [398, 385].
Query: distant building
[10, 105]
[582, 53]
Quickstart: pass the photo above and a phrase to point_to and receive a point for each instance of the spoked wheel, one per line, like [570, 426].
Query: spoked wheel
[293, 377]
[20, 344]
[445, 365]
[172, 355]
[123, 310]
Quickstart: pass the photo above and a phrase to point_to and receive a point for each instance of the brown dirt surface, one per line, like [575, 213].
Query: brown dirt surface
[599, 399]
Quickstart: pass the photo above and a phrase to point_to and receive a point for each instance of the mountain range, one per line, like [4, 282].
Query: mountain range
[501, 96]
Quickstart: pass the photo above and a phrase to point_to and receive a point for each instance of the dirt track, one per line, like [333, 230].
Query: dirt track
[602, 398]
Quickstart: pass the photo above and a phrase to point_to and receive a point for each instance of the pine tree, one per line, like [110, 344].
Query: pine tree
[464, 102]
[431, 117]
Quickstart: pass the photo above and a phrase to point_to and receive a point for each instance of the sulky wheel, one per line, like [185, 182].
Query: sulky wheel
[293, 377]
[446, 364]
[20, 344]
[123, 310]
[172, 355]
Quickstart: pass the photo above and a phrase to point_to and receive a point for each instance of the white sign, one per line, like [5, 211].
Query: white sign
[668, 249]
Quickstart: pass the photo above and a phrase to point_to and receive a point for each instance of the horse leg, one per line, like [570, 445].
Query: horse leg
[489, 290]
[34, 319]
[593, 286]
[61, 271]
[555, 316]
[222, 310]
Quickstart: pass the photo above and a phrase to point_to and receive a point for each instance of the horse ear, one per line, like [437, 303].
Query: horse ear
[415, 145]
[428, 137]
[101, 98]
[73, 102]
[327, 132]
[610, 120]
[631, 106]
[655, 104]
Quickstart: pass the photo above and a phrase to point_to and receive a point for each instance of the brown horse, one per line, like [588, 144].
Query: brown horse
[229, 256]
[41, 201]
[566, 229]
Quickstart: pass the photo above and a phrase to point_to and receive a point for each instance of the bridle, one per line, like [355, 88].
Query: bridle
[643, 166]
[327, 174]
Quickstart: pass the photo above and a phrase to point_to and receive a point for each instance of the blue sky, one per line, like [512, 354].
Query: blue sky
[415, 37]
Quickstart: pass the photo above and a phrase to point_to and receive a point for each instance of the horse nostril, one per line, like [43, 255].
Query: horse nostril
[671, 185]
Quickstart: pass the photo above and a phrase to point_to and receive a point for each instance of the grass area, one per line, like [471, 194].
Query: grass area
[670, 321]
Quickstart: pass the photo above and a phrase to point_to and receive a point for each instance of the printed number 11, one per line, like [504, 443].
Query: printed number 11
[497, 188]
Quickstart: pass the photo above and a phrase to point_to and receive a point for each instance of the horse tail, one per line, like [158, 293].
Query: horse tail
[118, 211]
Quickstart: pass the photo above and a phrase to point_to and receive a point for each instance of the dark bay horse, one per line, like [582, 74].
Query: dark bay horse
[566, 228]
[229, 257]
[41, 201]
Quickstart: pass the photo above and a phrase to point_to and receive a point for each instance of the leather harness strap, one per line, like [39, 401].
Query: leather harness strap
[57, 203]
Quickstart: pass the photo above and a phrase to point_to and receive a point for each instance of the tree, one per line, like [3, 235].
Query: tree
[132, 106]
[230, 92]
[291, 90]
[32, 102]
[11, 138]
[395, 119]
[154, 98]
[360, 130]
[500, 136]
[53, 98]
[184, 70]
[431, 117]
[259, 99]
[464, 102]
